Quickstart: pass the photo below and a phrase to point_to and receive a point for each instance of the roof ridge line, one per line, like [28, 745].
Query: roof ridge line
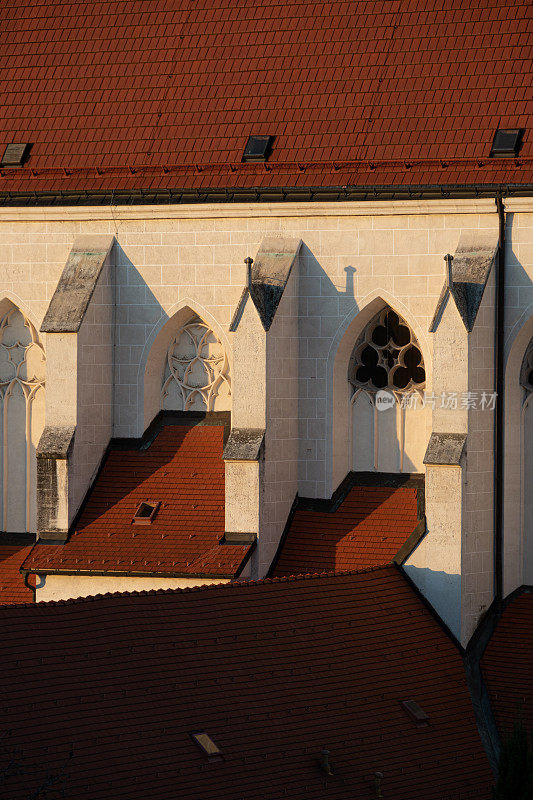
[208, 587]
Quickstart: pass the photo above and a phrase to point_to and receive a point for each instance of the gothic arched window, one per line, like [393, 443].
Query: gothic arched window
[22, 366]
[387, 356]
[526, 462]
[196, 374]
[390, 437]
[526, 373]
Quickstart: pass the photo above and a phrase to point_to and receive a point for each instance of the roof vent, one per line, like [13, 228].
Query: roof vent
[506, 144]
[208, 746]
[145, 513]
[258, 148]
[15, 155]
[415, 712]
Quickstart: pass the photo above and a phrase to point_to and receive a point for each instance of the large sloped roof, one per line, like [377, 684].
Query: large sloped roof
[100, 695]
[163, 94]
[183, 470]
[507, 665]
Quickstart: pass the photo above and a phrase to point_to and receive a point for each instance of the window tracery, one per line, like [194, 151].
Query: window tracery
[22, 380]
[526, 373]
[21, 355]
[196, 371]
[387, 356]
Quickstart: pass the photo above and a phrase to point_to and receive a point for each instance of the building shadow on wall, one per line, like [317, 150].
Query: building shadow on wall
[328, 298]
[328, 306]
[138, 469]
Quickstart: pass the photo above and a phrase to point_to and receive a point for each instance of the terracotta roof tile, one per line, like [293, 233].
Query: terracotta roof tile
[12, 588]
[183, 470]
[102, 86]
[368, 528]
[507, 665]
[272, 671]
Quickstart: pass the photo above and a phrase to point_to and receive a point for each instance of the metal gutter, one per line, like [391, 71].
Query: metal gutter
[499, 314]
[261, 194]
[124, 574]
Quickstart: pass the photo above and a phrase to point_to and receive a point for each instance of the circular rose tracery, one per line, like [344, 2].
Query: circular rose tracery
[387, 356]
[196, 368]
[22, 361]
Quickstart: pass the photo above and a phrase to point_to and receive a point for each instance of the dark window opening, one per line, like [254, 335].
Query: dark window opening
[387, 356]
[416, 713]
[145, 513]
[506, 143]
[258, 148]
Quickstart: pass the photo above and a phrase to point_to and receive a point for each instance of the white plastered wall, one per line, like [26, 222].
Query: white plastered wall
[66, 587]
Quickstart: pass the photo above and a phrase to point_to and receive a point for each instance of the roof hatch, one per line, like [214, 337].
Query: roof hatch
[258, 148]
[506, 143]
[15, 155]
[415, 712]
[146, 512]
[207, 745]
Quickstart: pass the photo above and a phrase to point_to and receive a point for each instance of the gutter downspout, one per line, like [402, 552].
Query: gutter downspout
[499, 311]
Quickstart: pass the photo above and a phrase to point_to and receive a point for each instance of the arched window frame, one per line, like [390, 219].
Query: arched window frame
[526, 371]
[14, 372]
[385, 347]
[196, 351]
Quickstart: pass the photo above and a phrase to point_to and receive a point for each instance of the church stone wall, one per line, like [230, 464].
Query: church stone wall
[352, 254]
[477, 557]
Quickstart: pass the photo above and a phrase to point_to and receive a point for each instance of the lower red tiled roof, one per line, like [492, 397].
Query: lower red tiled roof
[12, 588]
[105, 692]
[367, 529]
[507, 665]
[184, 471]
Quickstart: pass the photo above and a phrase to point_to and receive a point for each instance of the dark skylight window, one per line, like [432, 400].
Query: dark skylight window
[145, 513]
[416, 713]
[207, 745]
[15, 155]
[258, 148]
[506, 143]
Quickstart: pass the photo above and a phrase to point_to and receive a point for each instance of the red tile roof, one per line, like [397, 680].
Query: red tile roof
[367, 529]
[362, 93]
[184, 471]
[507, 665]
[12, 588]
[272, 671]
